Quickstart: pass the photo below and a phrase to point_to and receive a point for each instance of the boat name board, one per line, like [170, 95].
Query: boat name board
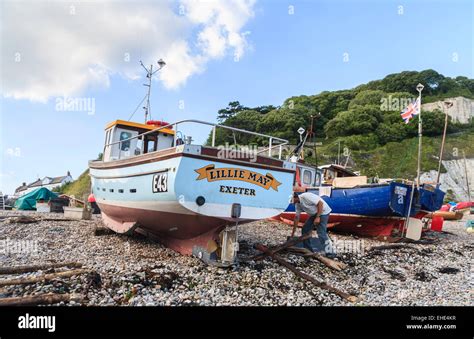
[212, 174]
[237, 190]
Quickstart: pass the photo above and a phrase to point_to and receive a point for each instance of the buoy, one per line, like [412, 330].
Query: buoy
[158, 123]
[437, 223]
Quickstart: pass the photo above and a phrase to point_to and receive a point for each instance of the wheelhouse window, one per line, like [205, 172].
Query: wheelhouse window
[151, 143]
[125, 141]
[307, 176]
[121, 144]
[317, 179]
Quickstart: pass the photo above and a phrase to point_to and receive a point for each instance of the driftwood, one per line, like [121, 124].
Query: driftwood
[33, 268]
[390, 247]
[44, 277]
[448, 215]
[50, 298]
[56, 219]
[320, 284]
[281, 247]
[335, 265]
[424, 241]
[22, 220]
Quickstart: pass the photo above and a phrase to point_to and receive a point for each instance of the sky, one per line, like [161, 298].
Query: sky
[257, 52]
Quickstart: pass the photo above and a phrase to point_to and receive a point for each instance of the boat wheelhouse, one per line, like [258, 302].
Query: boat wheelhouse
[122, 139]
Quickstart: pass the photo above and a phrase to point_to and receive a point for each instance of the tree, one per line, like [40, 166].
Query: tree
[284, 123]
[368, 97]
[373, 108]
[358, 120]
[264, 109]
[387, 132]
[231, 110]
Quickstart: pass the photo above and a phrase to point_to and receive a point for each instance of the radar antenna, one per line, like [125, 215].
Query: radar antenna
[149, 75]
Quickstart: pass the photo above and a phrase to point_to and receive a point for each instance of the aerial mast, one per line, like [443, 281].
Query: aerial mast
[448, 104]
[313, 135]
[419, 88]
[149, 75]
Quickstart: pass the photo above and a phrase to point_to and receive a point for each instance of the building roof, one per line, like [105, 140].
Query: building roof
[21, 188]
[39, 182]
[36, 183]
[58, 180]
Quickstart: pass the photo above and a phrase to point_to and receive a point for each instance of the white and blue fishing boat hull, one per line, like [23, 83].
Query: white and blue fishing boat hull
[186, 195]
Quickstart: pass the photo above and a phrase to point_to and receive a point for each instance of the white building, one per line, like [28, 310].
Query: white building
[47, 182]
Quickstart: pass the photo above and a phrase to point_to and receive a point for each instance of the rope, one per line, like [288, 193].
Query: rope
[137, 108]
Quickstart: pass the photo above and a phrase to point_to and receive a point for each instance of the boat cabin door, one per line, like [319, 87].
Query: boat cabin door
[119, 143]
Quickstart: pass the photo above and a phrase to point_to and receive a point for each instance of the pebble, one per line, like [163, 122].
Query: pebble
[140, 272]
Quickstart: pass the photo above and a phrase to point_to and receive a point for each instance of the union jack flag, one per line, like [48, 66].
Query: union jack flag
[412, 109]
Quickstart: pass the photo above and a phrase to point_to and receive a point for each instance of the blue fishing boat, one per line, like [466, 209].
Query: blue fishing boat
[430, 198]
[375, 210]
[370, 210]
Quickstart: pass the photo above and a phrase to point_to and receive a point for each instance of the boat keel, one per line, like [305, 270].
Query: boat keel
[126, 227]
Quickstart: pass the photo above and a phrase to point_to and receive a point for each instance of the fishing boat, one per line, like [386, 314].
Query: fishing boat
[358, 207]
[154, 180]
[377, 209]
[189, 196]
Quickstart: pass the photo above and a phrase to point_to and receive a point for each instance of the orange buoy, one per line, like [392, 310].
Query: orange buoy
[158, 123]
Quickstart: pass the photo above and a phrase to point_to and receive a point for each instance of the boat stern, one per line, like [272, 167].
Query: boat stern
[233, 190]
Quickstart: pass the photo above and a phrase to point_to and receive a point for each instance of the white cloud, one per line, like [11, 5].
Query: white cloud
[59, 48]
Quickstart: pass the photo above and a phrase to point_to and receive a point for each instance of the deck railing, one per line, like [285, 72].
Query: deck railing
[271, 140]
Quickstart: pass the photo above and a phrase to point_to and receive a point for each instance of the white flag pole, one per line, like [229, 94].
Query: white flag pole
[419, 88]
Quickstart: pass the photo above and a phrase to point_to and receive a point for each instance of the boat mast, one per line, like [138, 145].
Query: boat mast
[467, 179]
[419, 88]
[448, 104]
[149, 75]
[338, 152]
